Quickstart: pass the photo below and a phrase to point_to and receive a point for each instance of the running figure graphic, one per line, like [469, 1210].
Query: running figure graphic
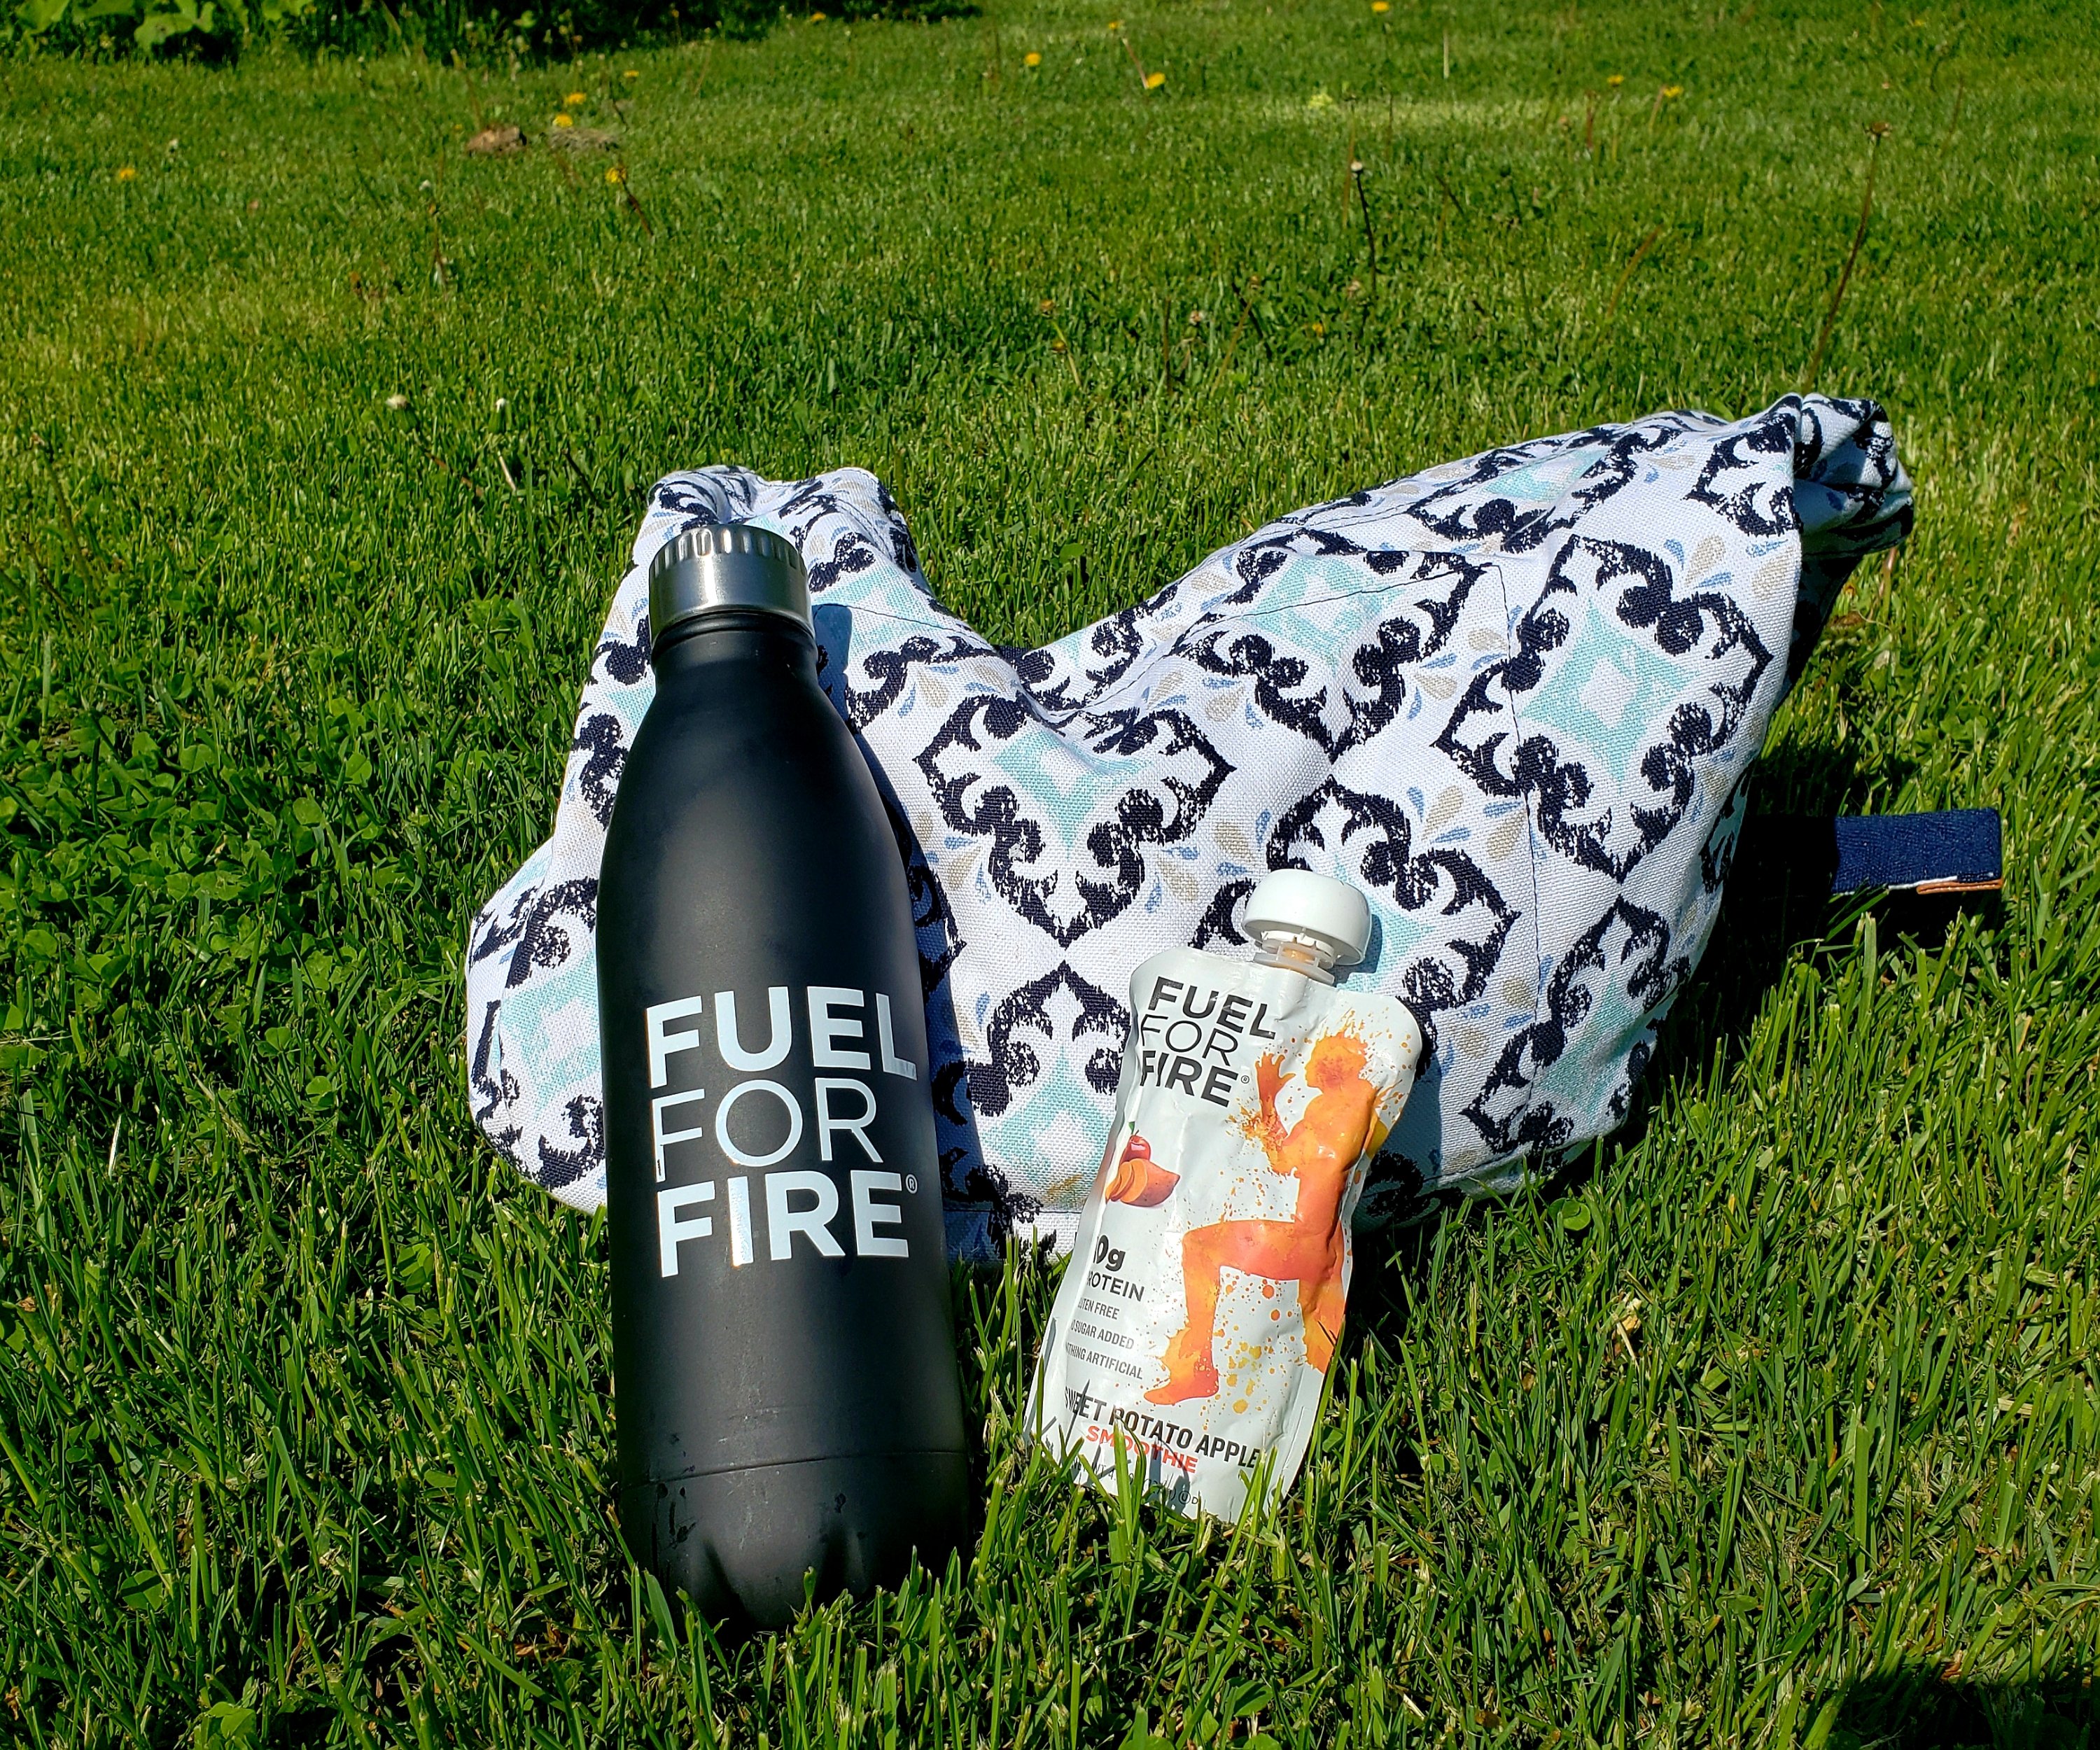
[1339, 1124]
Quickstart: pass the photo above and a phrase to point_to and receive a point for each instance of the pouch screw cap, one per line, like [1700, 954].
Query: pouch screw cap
[1298, 904]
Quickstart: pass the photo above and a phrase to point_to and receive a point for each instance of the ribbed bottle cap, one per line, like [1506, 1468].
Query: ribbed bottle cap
[1296, 903]
[725, 565]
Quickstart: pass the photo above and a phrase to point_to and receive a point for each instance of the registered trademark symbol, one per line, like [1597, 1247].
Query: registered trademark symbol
[910, 1181]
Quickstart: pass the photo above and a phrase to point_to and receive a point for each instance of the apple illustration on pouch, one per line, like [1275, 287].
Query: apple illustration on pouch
[1140, 1180]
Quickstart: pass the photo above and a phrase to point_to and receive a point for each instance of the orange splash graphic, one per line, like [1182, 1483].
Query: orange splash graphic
[1339, 1122]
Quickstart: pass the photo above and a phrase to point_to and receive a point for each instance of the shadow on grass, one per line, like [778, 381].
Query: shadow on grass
[1776, 903]
[1776, 900]
[1777, 906]
[1919, 1707]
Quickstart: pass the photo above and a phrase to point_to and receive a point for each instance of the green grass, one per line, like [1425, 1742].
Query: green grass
[305, 1402]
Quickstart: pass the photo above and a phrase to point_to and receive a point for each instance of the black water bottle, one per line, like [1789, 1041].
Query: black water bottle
[783, 1351]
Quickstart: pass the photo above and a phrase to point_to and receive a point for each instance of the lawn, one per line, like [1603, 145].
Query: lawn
[1779, 1422]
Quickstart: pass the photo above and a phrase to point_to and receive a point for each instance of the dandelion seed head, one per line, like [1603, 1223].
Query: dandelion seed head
[398, 403]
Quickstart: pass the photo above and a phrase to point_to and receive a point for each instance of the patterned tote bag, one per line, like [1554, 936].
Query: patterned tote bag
[1514, 699]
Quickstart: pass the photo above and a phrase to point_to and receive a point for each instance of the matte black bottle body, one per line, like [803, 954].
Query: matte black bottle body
[783, 1350]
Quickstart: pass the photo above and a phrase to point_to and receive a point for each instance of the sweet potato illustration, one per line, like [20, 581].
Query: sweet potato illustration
[1140, 1180]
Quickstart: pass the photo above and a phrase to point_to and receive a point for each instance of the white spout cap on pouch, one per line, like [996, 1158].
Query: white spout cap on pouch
[1307, 922]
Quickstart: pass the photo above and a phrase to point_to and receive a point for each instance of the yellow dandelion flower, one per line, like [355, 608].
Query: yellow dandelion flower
[1381, 6]
[1031, 58]
[630, 74]
[1115, 23]
[565, 121]
[574, 100]
[615, 176]
[1616, 78]
[1153, 80]
[1673, 91]
[1319, 328]
[126, 174]
[816, 18]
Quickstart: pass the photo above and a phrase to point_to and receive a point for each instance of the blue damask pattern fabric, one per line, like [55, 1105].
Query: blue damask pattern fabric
[1514, 699]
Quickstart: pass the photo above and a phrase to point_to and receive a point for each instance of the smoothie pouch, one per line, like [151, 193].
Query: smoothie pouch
[1196, 1321]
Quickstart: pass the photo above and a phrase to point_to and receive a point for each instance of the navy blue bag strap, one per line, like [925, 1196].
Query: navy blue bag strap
[1954, 852]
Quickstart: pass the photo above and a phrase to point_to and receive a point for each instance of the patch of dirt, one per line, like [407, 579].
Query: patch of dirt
[492, 142]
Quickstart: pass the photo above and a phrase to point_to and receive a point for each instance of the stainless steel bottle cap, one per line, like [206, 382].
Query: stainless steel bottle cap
[725, 565]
